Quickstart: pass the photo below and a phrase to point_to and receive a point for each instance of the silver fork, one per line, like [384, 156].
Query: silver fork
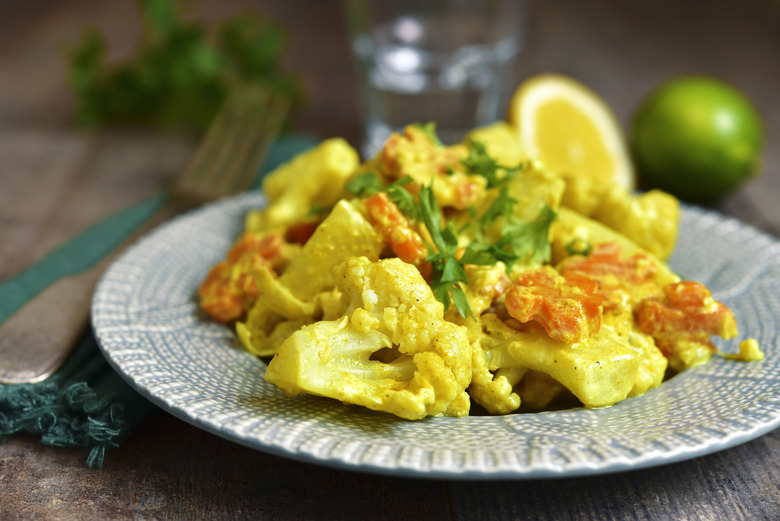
[37, 339]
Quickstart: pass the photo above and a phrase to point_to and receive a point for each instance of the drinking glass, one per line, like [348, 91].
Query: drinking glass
[450, 62]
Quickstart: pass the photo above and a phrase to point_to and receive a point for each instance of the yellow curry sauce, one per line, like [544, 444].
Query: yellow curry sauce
[432, 277]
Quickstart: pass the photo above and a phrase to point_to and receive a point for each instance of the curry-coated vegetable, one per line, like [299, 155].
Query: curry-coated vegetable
[431, 279]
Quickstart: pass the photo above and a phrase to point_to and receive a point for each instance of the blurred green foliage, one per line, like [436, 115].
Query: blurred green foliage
[181, 71]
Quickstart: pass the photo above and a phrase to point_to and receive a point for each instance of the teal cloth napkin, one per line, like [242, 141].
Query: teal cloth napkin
[85, 403]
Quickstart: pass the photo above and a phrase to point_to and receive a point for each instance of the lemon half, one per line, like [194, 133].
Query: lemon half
[570, 129]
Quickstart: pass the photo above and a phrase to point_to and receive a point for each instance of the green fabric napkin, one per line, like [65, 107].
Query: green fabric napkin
[85, 403]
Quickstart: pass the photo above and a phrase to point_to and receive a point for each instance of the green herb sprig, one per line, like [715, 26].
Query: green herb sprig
[448, 271]
[369, 183]
[430, 130]
[364, 184]
[520, 241]
[579, 246]
[479, 162]
[177, 78]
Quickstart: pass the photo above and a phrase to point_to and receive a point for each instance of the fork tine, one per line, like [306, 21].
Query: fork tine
[249, 124]
[243, 121]
[259, 120]
[212, 143]
[227, 160]
[241, 167]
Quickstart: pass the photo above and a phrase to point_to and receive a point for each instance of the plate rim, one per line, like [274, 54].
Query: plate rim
[179, 411]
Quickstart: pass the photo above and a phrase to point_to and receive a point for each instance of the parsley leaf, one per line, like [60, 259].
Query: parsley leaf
[180, 74]
[432, 218]
[369, 183]
[520, 240]
[430, 130]
[481, 254]
[528, 241]
[502, 206]
[479, 162]
[579, 246]
[402, 198]
[366, 183]
[317, 209]
[447, 271]
[525, 241]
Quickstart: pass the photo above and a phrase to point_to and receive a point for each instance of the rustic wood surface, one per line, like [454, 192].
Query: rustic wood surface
[55, 181]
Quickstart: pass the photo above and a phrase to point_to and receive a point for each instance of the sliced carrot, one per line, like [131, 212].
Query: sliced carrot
[621, 281]
[398, 233]
[229, 289]
[686, 314]
[566, 311]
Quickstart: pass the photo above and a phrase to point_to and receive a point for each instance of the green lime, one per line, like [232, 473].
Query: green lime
[697, 138]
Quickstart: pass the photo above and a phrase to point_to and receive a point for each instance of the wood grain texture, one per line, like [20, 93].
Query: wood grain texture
[55, 181]
[156, 476]
[728, 485]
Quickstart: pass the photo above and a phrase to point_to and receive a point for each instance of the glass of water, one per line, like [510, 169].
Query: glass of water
[450, 62]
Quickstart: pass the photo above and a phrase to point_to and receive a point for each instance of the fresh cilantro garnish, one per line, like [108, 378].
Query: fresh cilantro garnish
[521, 241]
[579, 246]
[447, 270]
[180, 74]
[366, 183]
[528, 241]
[317, 209]
[502, 206]
[430, 130]
[479, 162]
[524, 241]
[402, 198]
[369, 183]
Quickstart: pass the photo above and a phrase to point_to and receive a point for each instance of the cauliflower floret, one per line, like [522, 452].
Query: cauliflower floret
[539, 390]
[652, 362]
[501, 141]
[494, 373]
[300, 294]
[650, 219]
[600, 370]
[392, 351]
[314, 177]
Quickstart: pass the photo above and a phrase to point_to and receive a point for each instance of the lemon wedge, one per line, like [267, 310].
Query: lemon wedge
[571, 130]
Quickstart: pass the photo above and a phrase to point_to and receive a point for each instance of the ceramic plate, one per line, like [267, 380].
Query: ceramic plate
[147, 322]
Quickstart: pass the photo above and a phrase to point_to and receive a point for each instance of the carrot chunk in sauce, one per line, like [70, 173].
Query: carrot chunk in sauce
[566, 311]
[229, 289]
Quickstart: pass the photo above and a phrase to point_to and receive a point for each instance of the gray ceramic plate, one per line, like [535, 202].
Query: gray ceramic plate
[146, 320]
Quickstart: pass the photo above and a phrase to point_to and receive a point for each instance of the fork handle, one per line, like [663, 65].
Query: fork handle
[39, 336]
[37, 339]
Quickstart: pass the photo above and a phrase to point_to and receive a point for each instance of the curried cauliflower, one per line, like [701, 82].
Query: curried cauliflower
[501, 141]
[392, 350]
[301, 293]
[494, 374]
[600, 370]
[313, 178]
[432, 275]
[650, 219]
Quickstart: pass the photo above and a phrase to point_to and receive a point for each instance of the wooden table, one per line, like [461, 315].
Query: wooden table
[54, 181]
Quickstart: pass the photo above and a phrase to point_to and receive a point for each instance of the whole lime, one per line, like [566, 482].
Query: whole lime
[696, 137]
